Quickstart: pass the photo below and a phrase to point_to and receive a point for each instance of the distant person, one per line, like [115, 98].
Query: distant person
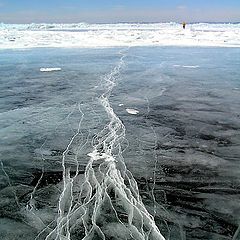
[184, 25]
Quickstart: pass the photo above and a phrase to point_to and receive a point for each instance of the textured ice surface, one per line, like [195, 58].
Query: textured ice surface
[64, 136]
[115, 35]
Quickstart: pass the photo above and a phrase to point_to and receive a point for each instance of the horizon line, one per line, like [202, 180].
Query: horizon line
[132, 22]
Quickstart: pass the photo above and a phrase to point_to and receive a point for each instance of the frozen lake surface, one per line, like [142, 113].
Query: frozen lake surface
[73, 141]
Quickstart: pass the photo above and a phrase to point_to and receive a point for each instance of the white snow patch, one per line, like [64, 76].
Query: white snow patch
[194, 66]
[132, 111]
[95, 155]
[50, 69]
[187, 66]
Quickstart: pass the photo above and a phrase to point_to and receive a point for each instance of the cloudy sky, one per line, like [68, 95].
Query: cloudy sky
[101, 11]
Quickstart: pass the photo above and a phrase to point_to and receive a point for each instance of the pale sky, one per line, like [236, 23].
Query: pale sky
[111, 11]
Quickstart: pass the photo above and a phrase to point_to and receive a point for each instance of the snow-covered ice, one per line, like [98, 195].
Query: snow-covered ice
[82, 35]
